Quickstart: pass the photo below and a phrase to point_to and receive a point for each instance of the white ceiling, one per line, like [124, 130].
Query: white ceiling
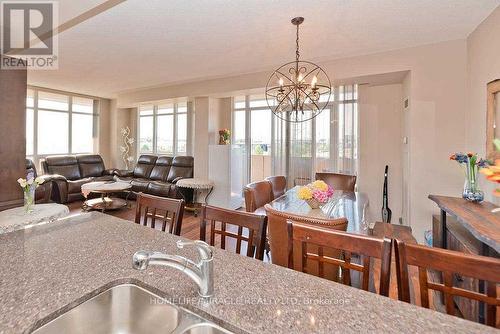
[147, 43]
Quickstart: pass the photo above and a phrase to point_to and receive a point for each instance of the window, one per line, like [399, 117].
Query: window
[59, 123]
[329, 142]
[163, 129]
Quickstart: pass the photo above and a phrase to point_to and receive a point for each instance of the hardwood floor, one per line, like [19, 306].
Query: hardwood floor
[190, 223]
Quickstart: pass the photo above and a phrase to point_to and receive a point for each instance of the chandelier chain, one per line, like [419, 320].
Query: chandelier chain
[297, 53]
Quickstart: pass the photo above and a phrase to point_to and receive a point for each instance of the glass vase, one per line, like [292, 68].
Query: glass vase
[29, 199]
[471, 191]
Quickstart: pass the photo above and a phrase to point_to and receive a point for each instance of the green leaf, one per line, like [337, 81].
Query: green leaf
[496, 142]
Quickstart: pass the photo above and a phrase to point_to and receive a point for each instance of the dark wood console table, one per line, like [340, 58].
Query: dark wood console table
[470, 228]
[476, 218]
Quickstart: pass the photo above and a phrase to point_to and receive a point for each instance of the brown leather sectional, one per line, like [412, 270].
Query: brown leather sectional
[152, 175]
[158, 175]
[73, 171]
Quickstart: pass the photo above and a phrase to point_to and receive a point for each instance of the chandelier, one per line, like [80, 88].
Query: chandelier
[299, 90]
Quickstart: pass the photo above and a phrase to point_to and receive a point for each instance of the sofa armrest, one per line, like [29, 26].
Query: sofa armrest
[124, 173]
[109, 171]
[52, 177]
[174, 181]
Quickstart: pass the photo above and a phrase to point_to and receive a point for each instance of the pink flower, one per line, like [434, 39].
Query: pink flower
[330, 191]
[320, 196]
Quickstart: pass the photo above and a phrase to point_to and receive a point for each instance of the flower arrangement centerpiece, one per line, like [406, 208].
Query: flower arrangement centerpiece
[29, 185]
[472, 164]
[224, 136]
[315, 194]
[492, 172]
[125, 148]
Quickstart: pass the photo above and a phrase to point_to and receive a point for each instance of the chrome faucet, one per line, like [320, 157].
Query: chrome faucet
[202, 273]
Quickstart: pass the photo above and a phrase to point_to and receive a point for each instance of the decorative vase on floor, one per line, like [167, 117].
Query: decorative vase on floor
[29, 199]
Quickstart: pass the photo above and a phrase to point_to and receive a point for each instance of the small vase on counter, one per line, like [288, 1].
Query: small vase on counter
[29, 186]
[29, 199]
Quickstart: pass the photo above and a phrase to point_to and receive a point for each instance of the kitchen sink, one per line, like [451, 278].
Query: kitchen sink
[128, 308]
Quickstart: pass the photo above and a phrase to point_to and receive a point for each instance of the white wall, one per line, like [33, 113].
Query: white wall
[483, 66]
[201, 136]
[380, 118]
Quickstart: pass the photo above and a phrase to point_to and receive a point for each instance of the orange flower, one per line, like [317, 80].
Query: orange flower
[492, 174]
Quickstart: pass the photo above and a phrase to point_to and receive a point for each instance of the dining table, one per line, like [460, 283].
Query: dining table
[354, 206]
[351, 205]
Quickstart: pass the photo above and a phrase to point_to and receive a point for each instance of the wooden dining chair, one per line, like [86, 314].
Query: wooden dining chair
[452, 265]
[338, 181]
[300, 253]
[278, 235]
[150, 209]
[278, 185]
[257, 194]
[247, 229]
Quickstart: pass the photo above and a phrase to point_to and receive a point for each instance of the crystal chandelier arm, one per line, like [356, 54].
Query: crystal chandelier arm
[309, 96]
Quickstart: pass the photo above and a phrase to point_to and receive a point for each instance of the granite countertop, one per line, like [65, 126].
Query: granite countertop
[46, 270]
[17, 218]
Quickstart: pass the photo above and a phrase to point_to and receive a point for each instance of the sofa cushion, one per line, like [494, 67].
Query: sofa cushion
[144, 166]
[90, 165]
[161, 169]
[66, 166]
[103, 178]
[182, 166]
[76, 186]
[140, 185]
[126, 179]
[159, 188]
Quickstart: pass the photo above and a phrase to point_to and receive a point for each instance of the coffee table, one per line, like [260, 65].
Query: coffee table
[106, 201]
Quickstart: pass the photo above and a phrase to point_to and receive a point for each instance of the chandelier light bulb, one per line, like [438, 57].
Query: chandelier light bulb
[281, 82]
[313, 82]
[299, 78]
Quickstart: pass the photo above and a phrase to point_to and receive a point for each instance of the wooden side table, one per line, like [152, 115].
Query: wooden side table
[200, 187]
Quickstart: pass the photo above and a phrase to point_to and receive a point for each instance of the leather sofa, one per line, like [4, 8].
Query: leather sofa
[74, 171]
[44, 191]
[158, 175]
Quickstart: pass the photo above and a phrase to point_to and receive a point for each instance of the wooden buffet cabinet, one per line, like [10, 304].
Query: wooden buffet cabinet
[469, 228]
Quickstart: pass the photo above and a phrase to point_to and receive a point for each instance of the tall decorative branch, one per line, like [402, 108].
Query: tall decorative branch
[125, 149]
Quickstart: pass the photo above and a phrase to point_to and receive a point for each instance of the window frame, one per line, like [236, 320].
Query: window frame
[339, 97]
[156, 106]
[36, 156]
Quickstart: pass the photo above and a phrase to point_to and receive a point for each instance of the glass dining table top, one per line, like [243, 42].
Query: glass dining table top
[348, 204]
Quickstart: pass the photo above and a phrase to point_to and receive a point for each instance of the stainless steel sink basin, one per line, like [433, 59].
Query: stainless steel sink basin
[205, 328]
[125, 309]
